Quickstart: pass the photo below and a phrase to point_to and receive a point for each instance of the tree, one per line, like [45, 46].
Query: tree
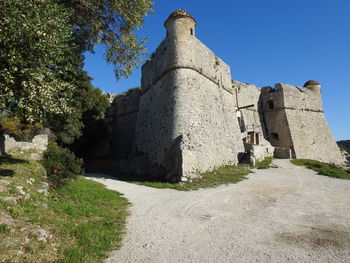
[112, 23]
[34, 39]
[41, 59]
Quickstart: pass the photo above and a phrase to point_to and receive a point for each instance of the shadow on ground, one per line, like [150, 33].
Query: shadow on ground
[111, 170]
[6, 172]
[7, 159]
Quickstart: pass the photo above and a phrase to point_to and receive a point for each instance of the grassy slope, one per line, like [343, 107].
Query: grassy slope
[322, 168]
[84, 219]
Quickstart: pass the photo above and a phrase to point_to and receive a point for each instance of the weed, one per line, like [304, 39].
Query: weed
[264, 164]
[228, 174]
[4, 229]
[323, 168]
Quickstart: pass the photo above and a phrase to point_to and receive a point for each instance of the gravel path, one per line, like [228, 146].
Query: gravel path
[285, 214]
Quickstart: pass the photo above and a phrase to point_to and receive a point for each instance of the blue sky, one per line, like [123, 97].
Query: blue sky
[264, 42]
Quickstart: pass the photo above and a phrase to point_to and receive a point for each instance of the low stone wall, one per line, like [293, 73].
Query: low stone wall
[8, 144]
[259, 152]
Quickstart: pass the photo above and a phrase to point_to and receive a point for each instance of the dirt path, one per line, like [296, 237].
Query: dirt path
[285, 214]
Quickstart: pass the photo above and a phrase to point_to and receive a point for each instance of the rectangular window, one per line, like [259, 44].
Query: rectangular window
[270, 103]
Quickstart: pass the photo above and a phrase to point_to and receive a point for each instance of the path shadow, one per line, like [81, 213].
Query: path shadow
[7, 159]
[109, 168]
[6, 172]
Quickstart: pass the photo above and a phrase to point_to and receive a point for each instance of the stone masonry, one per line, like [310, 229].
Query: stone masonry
[38, 145]
[190, 117]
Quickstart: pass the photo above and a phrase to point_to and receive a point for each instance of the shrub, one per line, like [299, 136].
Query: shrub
[20, 131]
[61, 165]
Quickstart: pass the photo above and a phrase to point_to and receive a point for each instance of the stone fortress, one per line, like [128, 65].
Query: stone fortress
[190, 116]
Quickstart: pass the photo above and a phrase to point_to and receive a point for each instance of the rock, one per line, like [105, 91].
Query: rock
[41, 234]
[20, 190]
[44, 191]
[23, 193]
[30, 181]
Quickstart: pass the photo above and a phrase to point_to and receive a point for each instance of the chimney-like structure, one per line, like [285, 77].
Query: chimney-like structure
[180, 24]
[313, 85]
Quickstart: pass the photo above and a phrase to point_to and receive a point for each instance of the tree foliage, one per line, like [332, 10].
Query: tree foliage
[41, 60]
[112, 23]
[35, 41]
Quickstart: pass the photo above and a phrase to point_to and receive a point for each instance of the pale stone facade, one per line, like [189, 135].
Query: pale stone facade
[189, 117]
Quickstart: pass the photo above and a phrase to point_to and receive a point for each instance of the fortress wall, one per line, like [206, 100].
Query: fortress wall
[300, 98]
[205, 109]
[193, 54]
[206, 117]
[312, 138]
[160, 62]
[124, 113]
[186, 121]
[189, 53]
[298, 119]
[154, 127]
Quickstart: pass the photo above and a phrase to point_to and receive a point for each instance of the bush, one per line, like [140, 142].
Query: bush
[21, 132]
[61, 165]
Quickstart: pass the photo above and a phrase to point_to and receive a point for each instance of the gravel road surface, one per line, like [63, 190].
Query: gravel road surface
[284, 214]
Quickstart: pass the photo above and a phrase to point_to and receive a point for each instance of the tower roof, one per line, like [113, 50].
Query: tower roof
[311, 83]
[178, 14]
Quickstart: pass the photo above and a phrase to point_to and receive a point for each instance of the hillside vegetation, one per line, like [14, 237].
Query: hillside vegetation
[79, 222]
[345, 143]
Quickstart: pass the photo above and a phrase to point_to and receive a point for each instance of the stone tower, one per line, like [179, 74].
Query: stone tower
[294, 119]
[186, 120]
[180, 25]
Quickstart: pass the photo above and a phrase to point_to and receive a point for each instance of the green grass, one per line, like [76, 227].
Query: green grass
[85, 219]
[4, 229]
[92, 217]
[264, 164]
[228, 174]
[323, 168]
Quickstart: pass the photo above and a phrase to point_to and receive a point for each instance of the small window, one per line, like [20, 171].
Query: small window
[191, 31]
[270, 103]
[251, 136]
[274, 136]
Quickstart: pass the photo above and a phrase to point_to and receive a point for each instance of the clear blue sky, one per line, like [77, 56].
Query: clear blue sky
[264, 42]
